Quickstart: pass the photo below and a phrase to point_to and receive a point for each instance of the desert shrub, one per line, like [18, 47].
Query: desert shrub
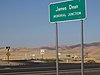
[49, 60]
[90, 61]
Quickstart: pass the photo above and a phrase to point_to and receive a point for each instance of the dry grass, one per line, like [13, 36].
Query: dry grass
[26, 53]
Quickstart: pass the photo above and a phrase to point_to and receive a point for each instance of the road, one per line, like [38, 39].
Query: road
[49, 69]
[95, 71]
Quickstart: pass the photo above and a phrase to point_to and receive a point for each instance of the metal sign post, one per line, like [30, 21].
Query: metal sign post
[8, 52]
[42, 52]
[57, 59]
[8, 59]
[82, 49]
[68, 10]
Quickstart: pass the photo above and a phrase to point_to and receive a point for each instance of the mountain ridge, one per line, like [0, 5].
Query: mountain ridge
[64, 47]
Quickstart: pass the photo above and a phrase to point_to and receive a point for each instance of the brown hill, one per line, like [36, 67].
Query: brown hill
[91, 49]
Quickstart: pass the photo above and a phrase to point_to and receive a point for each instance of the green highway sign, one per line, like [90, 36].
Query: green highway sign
[67, 11]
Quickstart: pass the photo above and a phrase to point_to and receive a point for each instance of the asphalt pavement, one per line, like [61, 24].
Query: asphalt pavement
[38, 68]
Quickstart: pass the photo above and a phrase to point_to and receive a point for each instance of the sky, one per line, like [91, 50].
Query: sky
[25, 23]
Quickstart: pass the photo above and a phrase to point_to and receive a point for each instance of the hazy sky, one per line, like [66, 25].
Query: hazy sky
[25, 23]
